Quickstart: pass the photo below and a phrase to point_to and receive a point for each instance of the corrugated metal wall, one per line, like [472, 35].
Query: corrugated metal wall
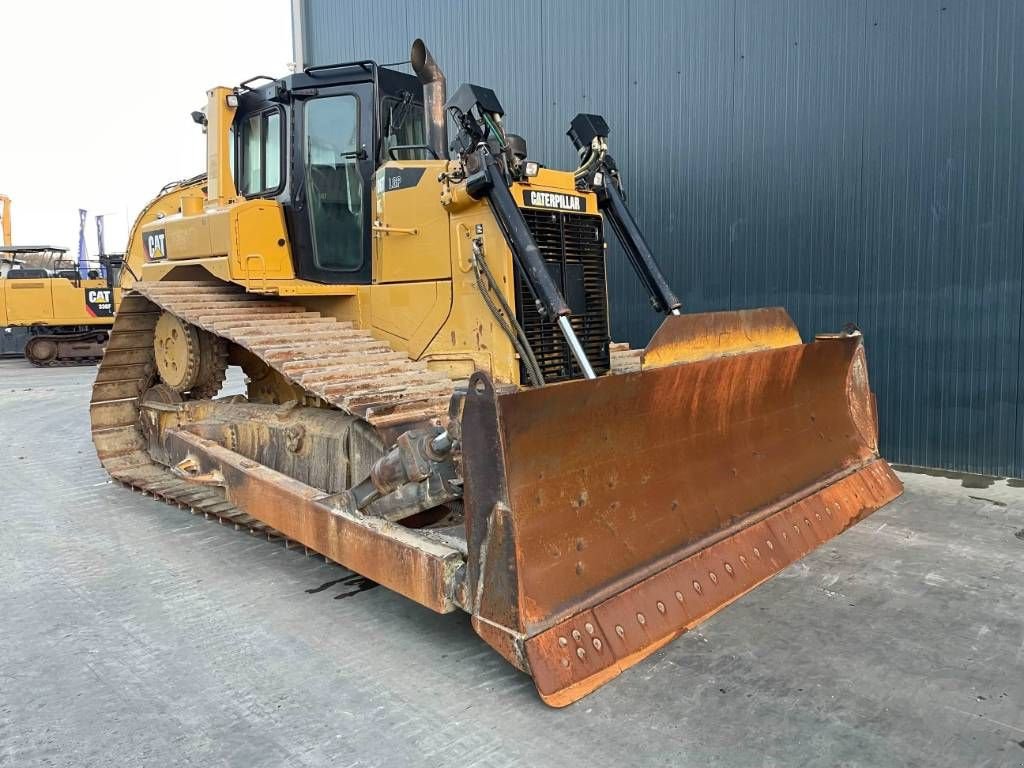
[852, 160]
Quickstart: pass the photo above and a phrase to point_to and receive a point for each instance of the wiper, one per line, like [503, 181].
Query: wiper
[400, 113]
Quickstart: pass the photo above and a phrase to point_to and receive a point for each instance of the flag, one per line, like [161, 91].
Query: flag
[83, 255]
[99, 236]
[100, 244]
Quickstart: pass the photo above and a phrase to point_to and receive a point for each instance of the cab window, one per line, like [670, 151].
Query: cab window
[403, 125]
[334, 184]
[258, 170]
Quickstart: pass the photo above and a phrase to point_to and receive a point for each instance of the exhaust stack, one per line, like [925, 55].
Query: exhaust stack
[434, 97]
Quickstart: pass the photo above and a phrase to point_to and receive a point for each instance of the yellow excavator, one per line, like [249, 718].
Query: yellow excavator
[432, 397]
[58, 315]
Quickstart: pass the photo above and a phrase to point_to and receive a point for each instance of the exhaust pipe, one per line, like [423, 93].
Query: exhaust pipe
[434, 97]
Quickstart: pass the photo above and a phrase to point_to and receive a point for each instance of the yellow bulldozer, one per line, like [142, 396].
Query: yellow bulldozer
[432, 396]
[55, 314]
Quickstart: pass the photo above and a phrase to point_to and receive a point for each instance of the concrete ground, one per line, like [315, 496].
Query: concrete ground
[135, 634]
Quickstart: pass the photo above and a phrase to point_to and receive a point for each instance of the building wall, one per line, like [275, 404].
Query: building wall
[856, 161]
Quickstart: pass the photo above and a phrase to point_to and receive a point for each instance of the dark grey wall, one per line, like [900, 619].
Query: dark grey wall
[852, 160]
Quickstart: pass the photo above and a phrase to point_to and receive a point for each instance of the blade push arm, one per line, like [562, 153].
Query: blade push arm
[598, 172]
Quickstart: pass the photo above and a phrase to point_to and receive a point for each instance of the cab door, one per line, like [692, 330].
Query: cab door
[335, 157]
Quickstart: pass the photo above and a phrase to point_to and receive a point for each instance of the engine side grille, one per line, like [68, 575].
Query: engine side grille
[573, 248]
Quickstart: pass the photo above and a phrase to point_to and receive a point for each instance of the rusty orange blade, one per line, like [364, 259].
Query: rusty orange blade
[613, 514]
[689, 338]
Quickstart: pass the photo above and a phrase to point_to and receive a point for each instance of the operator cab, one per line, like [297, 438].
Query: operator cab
[312, 141]
[38, 262]
[35, 262]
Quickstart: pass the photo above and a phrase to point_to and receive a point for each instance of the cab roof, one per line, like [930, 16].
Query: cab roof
[32, 248]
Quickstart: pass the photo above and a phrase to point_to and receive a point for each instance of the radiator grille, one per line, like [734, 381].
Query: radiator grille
[573, 247]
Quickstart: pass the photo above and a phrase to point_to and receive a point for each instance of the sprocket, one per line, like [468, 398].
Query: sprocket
[189, 359]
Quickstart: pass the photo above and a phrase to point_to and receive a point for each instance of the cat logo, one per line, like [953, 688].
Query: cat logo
[99, 302]
[156, 247]
[554, 200]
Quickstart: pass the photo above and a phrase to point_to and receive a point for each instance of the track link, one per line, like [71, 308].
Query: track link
[344, 366]
[79, 362]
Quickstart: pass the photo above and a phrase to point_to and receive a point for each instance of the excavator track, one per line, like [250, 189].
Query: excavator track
[65, 349]
[342, 366]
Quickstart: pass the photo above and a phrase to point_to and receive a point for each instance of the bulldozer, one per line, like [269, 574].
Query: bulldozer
[49, 311]
[432, 397]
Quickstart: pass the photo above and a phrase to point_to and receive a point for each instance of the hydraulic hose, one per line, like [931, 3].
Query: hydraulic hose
[590, 157]
[520, 332]
[507, 322]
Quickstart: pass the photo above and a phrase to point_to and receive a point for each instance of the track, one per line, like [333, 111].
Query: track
[329, 359]
[65, 342]
[342, 366]
[73, 363]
